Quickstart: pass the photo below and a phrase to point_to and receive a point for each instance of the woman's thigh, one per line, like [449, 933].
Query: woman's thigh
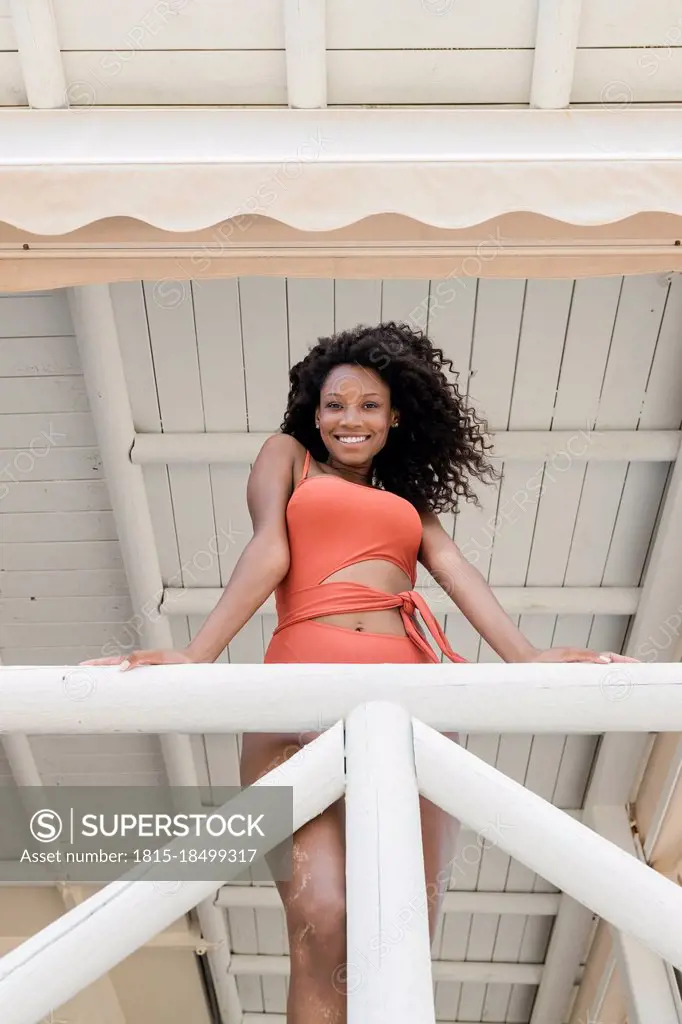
[317, 883]
[318, 851]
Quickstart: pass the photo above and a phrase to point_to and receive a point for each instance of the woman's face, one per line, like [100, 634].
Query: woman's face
[354, 403]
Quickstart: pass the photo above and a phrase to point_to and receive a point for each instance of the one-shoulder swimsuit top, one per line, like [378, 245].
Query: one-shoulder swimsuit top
[333, 523]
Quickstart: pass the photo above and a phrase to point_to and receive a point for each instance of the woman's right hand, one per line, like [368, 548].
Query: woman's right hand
[137, 658]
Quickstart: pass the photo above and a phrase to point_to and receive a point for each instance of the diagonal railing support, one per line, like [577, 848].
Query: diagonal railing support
[580, 862]
[76, 949]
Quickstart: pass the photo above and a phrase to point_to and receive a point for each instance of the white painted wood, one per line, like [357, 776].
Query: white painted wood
[103, 556]
[221, 366]
[58, 584]
[356, 302]
[663, 399]
[310, 314]
[443, 970]
[429, 77]
[40, 974]
[665, 803]
[495, 346]
[662, 593]
[25, 465]
[133, 25]
[385, 871]
[25, 357]
[55, 496]
[406, 302]
[12, 88]
[45, 315]
[354, 26]
[643, 975]
[48, 430]
[536, 373]
[49, 655]
[524, 445]
[636, 327]
[128, 300]
[612, 783]
[176, 77]
[39, 52]
[43, 527]
[556, 39]
[264, 325]
[542, 698]
[178, 381]
[97, 335]
[618, 78]
[306, 52]
[612, 77]
[65, 609]
[538, 904]
[538, 600]
[629, 894]
[237, 24]
[42, 394]
[569, 937]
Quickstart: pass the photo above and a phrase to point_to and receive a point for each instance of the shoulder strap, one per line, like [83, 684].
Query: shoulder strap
[306, 466]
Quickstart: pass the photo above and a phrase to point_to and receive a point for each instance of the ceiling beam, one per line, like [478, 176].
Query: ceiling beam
[496, 972]
[559, 447]
[660, 606]
[556, 41]
[101, 360]
[514, 600]
[614, 780]
[645, 978]
[527, 904]
[306, 53]
[39, 53]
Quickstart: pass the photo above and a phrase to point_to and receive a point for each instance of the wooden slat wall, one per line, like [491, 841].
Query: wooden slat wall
[63, 592]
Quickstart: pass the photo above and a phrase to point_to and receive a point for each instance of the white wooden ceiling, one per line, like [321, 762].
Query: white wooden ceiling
[231, 52]
[597, 354]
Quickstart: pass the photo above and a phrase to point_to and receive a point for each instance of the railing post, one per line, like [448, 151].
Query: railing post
[388, 971]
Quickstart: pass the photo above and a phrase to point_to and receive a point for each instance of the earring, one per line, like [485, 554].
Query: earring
[394, 424]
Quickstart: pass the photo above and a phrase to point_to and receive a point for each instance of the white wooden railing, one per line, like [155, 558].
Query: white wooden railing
[384, 722]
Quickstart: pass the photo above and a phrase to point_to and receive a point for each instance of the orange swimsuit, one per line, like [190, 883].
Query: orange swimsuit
[332, 525]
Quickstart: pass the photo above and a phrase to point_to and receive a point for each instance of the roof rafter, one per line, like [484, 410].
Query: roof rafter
[306, 53]
[555, 49]
[40, 54]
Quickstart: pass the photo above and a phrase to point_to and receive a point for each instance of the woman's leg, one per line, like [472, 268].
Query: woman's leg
[315, 898]
[439, 838]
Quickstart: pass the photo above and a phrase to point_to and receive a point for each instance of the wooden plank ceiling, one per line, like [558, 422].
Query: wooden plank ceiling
[231, 52]
[597, 354]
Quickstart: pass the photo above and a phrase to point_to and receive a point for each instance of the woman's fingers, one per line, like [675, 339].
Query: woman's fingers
[104, 661]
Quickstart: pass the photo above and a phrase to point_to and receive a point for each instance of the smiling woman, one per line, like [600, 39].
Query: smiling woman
[376, 441]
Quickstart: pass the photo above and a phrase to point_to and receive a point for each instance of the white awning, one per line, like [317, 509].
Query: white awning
[187, 169]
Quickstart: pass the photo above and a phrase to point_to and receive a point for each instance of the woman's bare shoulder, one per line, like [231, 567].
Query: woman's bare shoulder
[284, 452]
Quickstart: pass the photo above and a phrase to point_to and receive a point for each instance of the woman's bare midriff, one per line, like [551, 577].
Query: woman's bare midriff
[382, 575]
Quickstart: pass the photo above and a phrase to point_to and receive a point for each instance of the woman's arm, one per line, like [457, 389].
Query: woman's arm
[264, 561]
[470, 591]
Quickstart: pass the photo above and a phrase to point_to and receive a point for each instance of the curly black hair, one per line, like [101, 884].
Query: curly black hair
[439, 442]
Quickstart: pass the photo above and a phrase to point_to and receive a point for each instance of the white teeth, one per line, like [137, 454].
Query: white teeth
[353, 440]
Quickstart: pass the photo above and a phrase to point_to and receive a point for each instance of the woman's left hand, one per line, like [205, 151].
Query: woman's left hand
[558, 654]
